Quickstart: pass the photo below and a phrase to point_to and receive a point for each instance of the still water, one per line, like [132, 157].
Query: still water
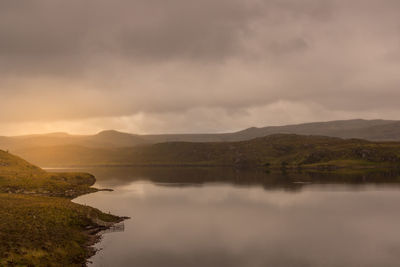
[223, 217]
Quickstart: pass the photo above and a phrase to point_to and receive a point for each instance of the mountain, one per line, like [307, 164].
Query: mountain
[113, 138]
[373, 130]
[103, 139]
[279, 150]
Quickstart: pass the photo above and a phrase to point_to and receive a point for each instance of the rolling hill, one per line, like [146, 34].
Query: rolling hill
[280, 150]
[113, 147]
[102, 139]
[373, 130]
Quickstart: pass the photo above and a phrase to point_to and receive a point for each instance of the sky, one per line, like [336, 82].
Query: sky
[174, 66]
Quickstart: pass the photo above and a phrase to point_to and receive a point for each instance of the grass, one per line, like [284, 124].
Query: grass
[19, 176]
[39, 225]
[49, 184]
[44, 231]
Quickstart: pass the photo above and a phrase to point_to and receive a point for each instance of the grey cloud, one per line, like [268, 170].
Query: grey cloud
[50, 33]
[71, 60]
[47, 33]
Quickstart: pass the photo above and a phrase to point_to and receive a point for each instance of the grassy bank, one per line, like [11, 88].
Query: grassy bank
[45, 231]
[39, 225]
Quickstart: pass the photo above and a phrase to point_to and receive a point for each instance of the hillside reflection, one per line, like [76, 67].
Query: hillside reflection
[277, 180]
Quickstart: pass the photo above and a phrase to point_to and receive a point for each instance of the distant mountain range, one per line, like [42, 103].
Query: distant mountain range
[275, 151]
[250, 145]
[373, 130]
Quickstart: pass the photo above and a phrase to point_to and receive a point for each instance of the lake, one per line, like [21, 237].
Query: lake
[225, 217]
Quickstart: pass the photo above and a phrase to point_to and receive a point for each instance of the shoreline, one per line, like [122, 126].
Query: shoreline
[94, 231]
[40, 224]
[95, 235]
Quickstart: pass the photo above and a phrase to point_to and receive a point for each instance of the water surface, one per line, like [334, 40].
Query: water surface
[224, 217]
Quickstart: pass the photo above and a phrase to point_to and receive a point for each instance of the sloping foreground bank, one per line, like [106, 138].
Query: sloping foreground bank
[39, 225]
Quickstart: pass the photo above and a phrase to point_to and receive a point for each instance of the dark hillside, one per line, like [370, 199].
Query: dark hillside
[373, 130]
[274, 151]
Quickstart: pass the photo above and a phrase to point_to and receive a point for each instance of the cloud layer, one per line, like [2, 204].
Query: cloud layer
[186, 65]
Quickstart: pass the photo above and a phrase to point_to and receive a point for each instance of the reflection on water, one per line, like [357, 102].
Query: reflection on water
[119, 227]
[120, 176]
[225, 217]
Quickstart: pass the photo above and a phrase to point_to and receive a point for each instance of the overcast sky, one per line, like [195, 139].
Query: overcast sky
[162, 66]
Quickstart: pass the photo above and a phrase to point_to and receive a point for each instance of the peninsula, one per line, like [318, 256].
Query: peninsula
[39, 225]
